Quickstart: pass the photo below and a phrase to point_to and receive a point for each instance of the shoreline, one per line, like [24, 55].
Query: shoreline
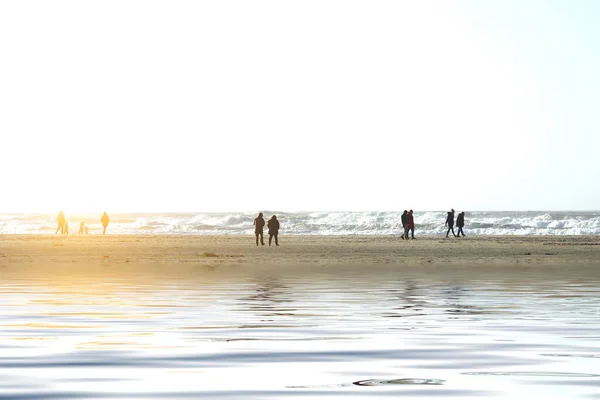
[43, 250]
[339, 223]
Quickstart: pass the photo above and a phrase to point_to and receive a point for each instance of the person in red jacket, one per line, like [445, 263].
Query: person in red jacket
[411, 225]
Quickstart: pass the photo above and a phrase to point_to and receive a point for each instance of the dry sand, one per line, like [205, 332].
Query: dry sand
[43, 250]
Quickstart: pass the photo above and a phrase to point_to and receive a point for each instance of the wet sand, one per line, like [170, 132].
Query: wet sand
[180, 317]
[42, 250]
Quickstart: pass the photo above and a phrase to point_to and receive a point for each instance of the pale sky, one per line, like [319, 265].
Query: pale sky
[299, 105]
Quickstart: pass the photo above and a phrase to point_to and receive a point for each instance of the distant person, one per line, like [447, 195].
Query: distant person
[450, 223]
[60, 220]
[83, 230]
[105, 220]
[259, 224]
[273, 226]
[460, 222]
[404, 219]
[411, 225]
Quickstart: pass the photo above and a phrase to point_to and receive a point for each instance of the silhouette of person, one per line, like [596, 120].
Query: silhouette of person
[460, 222]
[450, 222]
[411, 225]
[81, 228]
[404, 220]
[259, 224]
[273, 226]
[60, 220]
[105, 220]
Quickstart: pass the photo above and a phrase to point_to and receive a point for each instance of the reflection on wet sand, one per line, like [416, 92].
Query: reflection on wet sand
[298, 331]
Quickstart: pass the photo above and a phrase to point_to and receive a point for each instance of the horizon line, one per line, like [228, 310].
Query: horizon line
[293, 211]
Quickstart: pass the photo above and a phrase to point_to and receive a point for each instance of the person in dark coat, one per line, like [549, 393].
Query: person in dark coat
[411, 225]
[404, 220]
[460, 222]
[259, 224]
[450, 222]
[273, 226]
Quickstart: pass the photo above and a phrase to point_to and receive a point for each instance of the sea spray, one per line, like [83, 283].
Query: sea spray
[317, 223]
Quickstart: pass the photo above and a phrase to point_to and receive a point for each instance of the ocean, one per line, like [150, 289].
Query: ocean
[314, 223]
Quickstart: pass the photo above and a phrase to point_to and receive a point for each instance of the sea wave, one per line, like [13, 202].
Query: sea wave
[316, 223]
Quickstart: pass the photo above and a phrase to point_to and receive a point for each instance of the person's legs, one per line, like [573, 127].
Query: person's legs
[276, 240]
[412, 232]
[448, 231]
[58, 229]
[460, 231]
[262, 239]
[104, 230]
[406, 230]
[256, 234]
[270, 237]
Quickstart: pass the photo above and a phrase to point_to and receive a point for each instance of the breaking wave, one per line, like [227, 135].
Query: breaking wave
[317, 223]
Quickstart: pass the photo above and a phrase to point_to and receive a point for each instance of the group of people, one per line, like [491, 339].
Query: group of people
[407, 219]
[272, 225]
[408, 224]
[63, 224]
[460, 223]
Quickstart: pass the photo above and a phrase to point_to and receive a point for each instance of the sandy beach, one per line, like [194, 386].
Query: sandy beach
[180, 317]
[42, 250]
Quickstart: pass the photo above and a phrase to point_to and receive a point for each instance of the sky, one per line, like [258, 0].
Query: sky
[165, 106]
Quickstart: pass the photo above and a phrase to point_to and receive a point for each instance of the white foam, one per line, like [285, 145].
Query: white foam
[317, 223]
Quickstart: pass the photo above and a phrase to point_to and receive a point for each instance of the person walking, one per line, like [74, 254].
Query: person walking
[105, 220]
[450, 223]
[60, 220]
[259, 224]
[81, 228]
[411, 225]
[273, 226]
[460, 222]
[404, 220]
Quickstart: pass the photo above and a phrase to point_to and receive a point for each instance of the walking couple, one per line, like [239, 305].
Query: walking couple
[273, 225]
[460, 223]
[408, 224]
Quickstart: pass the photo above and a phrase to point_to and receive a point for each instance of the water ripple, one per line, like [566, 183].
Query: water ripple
[258, 334]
